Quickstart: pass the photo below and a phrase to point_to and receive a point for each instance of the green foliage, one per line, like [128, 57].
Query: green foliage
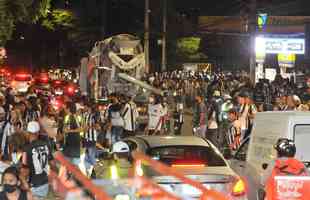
[15, 11]
[188, 48]
[188, 45]
[59, 18]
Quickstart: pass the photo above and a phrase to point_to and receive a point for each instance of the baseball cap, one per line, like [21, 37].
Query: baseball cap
[33, 127]
[120, 147]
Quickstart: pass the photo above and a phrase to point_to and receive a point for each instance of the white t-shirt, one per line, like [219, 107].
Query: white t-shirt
[130, 115]
[155, 112]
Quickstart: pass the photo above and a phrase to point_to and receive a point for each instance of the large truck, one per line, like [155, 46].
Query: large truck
[115, 64]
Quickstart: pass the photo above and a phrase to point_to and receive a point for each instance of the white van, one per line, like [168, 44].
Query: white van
[257, 150]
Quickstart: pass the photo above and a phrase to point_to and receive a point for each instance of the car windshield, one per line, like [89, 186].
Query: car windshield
[187, 155]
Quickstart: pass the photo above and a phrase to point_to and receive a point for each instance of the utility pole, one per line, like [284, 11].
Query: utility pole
[252, 30]
[164, 37]
[147, 35]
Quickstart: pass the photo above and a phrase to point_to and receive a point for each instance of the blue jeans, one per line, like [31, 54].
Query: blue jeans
[116, 133]
[41, 191]
[74, 161]
[90, 157]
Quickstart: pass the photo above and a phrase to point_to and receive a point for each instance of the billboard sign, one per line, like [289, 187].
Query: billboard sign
[280, 45]
[286, 60]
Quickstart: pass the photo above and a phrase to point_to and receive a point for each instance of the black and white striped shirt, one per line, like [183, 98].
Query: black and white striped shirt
[31, 115]
[90, 136]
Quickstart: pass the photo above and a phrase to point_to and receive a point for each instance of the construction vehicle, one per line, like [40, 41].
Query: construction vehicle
[114, 65]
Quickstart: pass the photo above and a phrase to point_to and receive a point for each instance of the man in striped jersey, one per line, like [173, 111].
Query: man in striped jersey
[234, 131]
[92, 122]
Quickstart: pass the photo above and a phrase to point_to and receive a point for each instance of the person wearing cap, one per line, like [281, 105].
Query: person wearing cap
[119, 167]
[36, 159]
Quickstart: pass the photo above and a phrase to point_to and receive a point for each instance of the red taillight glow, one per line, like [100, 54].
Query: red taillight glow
[70, 90]
[22, 75]
[58, 104]
[57, 82]
[239, 188]
[44, 79]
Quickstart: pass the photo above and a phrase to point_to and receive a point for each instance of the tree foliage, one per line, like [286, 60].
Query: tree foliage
[58, 19]
[16, 11]
[190, 49]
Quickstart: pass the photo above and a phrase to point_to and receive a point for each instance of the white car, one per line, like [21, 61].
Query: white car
[195, 157]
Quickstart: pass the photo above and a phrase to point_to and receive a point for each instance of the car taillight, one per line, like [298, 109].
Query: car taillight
[239, 188]
[71, 90]
[58, 104]
[44, 79]
[22, 75]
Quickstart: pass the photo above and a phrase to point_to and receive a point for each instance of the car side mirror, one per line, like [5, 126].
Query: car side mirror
[264, 166]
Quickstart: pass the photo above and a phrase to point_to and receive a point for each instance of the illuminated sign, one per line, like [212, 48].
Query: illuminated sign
[261, 20]
[280, 45]
[286, 60]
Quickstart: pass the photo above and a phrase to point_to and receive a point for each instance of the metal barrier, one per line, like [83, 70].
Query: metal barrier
[65, 187]
[142, 186]
[207, 194]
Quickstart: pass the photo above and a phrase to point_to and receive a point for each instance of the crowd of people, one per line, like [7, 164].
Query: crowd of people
[223, 107]
[224, 104]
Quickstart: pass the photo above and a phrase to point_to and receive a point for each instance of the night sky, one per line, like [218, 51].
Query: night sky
[97, 19]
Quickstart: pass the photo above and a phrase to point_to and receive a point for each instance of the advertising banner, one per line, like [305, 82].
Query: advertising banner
[286, 60]
[280, 45]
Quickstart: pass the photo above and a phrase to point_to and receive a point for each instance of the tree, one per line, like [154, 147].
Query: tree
[189, 48]
[19, 11]
[58, 19]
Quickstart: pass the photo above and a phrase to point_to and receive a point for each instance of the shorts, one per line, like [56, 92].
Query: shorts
[40, 191]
